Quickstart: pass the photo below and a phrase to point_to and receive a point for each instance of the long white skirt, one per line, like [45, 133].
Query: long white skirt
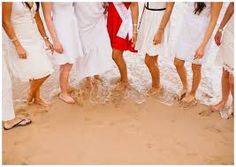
[149, 25]
[97, 51]
[7, 101]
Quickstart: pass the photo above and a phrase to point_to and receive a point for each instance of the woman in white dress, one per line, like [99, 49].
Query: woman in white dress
[152, 38]
[226, 57]
[26, 56]
[8, 115]
[199, 21]
[62, 25]
[95, 40]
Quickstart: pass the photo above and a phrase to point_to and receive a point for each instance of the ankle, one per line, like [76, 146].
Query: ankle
[192, 94]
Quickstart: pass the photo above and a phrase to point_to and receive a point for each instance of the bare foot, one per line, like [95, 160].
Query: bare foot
[154, 91]
[30, 98]
[121, 86]
[218, 107]
[231, 112]
[66, 98]
[182, 94]
[89, 83]
[189, 98]
[41, 102]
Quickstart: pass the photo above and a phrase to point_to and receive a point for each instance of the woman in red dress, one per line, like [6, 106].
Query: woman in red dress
[122, 28]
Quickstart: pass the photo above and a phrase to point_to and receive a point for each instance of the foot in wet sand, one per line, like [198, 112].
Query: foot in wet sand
[41, 102]
[122, 86]
[218, 107]
[66, 98]
[188, 101]
[230, 113]
[30, 98]
[154, 91]
[182, 94]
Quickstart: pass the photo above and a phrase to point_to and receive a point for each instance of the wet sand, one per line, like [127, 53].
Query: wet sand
[123, 133]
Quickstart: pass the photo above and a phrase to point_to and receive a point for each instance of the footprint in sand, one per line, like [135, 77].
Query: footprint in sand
[205, 113]
[129, 125]
[192, 154]
[112, 123]
[149, 145]
[212, 128]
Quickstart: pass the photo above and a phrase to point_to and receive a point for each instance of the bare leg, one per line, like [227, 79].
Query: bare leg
[89, 83]
[179, 64]
[231, 82]
[117, 56]
[35, 89]
[196, 68]
[64, 83]
[152, 64]
[225, 91]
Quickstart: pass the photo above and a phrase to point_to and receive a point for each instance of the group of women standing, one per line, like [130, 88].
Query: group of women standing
[88, 35]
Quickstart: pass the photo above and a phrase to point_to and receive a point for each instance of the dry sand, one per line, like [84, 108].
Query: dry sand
[124, 133]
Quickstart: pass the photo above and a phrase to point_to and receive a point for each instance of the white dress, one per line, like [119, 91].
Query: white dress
[37, 65]
[7, 101]
[66, 27]
[95, 40]
[192, 32]
[149, 24]
[226, 52]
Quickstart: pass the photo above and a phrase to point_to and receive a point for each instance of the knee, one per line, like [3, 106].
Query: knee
[114, 57]
[117, 55]
[178, 63]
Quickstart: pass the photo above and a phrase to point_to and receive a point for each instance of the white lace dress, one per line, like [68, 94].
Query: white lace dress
[66, 26]
[192, 32]
[95, 40]
[149, 24]
[37, 65]
[226, 51]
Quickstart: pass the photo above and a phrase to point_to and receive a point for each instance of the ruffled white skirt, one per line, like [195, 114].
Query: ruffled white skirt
[226, 51]
[148, 27]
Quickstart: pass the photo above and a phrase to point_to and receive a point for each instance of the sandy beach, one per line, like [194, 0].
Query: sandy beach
[123, 133]
[129, 128]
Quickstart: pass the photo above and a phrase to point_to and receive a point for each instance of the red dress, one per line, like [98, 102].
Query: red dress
[113, 24]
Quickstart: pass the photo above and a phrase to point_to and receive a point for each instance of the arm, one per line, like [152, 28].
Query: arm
[7, 26]
[229, 12]
[135, 12]
[166, 16]
[165, 19]
[42, 31]
[215, 11]
[47, 11]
